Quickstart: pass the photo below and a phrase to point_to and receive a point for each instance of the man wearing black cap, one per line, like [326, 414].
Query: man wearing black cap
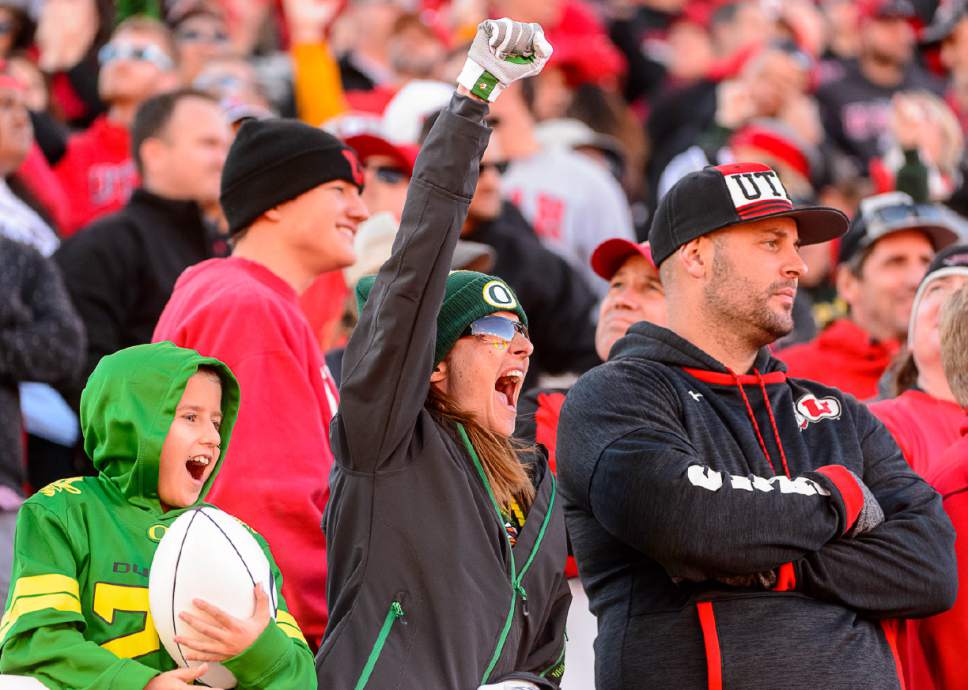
[881, 263]
[733, 527]
[291, 195]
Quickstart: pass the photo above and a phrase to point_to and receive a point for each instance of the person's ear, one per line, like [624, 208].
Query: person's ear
[150, 153]
[848, 284]
[273, 215]
[695, 256]
[439, 374]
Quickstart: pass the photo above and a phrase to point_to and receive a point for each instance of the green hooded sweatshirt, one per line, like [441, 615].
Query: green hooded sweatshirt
[77, 614]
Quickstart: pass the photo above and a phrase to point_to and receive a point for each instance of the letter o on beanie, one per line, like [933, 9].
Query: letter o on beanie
[273, 161]
[469, 296]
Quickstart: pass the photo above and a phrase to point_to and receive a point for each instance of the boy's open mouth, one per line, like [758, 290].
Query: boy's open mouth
[196, 466]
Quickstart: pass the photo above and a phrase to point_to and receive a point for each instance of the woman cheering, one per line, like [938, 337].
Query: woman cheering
[445, 548]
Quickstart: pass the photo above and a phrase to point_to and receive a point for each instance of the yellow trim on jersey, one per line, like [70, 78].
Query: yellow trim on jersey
[287, 623]
[45, 584]
[58, 602]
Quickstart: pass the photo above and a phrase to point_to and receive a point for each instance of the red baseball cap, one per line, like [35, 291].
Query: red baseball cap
[367, 145]
[609, 256]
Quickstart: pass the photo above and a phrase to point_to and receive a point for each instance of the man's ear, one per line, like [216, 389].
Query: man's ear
[848, 284]
[439, 374]
[273, 215]
[695, 256]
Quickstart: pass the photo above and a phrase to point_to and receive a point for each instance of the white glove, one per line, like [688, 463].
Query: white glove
[503, 51]
[510, 685]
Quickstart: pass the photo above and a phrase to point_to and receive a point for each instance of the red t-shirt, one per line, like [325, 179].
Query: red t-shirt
[934, 656]
[97, 173]
[922, 425]
[843, 356]
[275, 476]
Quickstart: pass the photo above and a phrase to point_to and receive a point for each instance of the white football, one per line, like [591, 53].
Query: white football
[205, 554]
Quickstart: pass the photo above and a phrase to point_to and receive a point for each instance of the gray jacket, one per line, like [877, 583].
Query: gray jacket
[424, 590]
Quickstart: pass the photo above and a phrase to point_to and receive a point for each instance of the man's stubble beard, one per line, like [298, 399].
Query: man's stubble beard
[734, 304]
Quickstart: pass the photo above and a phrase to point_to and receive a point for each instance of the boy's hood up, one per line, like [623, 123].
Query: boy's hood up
[128, 405]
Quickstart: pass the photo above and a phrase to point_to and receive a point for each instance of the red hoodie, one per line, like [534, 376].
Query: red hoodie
[97, 173]
[276, 478]
[922, 425]
[844, 356]
[934, 654]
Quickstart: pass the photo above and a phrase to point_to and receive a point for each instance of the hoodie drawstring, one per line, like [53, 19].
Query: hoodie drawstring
[756, 426]
[776, 431]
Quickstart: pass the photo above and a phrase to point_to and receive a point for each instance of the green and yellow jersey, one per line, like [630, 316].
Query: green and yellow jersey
[77, 615]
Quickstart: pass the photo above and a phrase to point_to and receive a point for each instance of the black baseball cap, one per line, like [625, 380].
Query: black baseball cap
[723, 195]
[884, 214]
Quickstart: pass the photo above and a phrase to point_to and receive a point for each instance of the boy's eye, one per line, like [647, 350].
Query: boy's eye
[191, 416]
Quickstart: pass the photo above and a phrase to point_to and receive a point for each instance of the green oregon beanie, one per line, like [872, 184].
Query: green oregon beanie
[469, 295]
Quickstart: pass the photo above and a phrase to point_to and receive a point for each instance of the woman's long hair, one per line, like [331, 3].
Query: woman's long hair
[902, 374]
[500, 457]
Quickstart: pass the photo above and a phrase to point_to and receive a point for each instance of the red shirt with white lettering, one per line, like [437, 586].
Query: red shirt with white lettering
[97, 173]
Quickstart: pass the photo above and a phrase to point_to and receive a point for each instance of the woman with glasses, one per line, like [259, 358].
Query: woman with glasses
[446, 548]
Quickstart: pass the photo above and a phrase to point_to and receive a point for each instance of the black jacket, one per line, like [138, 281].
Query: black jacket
[673, 475]
[558, 302]
[424, 589]
[41, 339]
[121, 270]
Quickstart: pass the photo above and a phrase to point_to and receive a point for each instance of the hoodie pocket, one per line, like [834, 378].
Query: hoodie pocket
[395, 614]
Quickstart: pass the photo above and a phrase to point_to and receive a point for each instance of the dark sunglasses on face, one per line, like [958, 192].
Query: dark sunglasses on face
[391, 175]
[127, 51]
[500, 167]
[196, 36]
[497, 330]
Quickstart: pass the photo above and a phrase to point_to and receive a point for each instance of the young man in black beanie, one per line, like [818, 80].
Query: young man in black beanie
[291, 194]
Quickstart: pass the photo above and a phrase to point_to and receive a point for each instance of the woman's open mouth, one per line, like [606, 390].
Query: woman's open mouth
[508, 385]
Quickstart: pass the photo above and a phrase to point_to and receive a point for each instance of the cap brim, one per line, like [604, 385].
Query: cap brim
[367, 145]
[814, 224]
[473, 256]
[609, 256]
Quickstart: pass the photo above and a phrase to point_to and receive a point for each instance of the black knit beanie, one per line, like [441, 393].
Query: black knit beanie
[273, 161]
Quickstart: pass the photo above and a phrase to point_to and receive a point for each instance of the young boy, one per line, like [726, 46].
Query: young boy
[156, 421]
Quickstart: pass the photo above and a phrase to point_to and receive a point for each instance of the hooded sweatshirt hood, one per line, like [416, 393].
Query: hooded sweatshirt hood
[645, 340]
[128, 406]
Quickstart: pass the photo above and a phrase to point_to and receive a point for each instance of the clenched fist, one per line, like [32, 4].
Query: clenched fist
[503, 51]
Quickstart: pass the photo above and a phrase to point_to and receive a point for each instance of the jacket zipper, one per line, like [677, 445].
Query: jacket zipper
[394, 613]
[517, 589]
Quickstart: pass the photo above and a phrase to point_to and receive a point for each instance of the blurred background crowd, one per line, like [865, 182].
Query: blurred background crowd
[857, 104]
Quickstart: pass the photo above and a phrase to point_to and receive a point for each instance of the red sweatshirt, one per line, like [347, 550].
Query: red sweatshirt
[844, 356]
[922, 425]
[276, 477]
[97, 173]
[935, 654]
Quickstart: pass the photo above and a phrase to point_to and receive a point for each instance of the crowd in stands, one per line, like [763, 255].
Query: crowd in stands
[116, 117]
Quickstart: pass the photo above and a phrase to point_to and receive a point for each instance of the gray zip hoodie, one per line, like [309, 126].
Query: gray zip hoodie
[424, 589]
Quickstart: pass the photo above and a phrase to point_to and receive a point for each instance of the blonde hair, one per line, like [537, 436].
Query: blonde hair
[953, 328]
[501, 457]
